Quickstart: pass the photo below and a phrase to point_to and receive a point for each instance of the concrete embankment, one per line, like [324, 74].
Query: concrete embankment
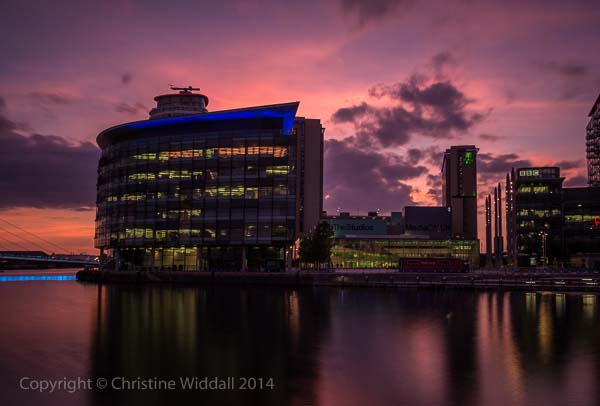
[384, 280]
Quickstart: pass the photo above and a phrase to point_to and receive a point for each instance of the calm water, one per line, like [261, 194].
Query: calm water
[321, 346]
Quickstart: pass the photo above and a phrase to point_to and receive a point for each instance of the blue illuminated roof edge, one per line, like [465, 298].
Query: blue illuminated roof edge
[286, 111]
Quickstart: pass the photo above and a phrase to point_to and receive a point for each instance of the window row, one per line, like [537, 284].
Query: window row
[216, 192]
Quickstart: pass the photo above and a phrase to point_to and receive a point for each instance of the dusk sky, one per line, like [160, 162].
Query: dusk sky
[394, 82]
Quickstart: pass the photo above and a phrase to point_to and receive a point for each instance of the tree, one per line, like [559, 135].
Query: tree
[306, 250]
[316, 247]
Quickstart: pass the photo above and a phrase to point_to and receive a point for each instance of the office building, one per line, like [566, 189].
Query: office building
[537, 214]
[592, 143]
[459, 171]
[549, 224]
[309, 135]
[194, 190]
[581, 226]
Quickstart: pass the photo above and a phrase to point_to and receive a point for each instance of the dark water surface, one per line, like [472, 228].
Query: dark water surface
[320, 346]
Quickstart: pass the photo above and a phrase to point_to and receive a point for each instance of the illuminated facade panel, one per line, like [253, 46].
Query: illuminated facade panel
[375, 241]
[386, 253]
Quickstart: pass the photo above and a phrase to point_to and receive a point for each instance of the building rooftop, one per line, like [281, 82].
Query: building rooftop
[284, 111]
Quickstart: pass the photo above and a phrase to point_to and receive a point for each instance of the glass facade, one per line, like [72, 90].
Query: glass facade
[549, 224]
[538, 215]
[581, 228]
[184, 197]
[386, 253]
[592, 145]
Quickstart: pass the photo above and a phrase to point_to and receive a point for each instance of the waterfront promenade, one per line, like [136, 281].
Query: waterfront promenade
[571, 281]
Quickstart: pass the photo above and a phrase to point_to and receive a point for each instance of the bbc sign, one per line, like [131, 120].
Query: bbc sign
[539, 173]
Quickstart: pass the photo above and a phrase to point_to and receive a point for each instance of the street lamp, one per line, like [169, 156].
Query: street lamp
[543, 235]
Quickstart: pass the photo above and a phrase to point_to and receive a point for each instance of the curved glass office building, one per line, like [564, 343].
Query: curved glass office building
[192, 190]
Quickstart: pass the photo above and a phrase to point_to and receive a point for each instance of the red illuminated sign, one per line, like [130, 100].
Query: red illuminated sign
[596, 222]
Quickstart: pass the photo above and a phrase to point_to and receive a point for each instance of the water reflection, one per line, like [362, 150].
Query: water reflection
[214, 332]
[321, 346]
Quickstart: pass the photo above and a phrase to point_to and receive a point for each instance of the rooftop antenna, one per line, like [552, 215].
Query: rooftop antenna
[184, 90]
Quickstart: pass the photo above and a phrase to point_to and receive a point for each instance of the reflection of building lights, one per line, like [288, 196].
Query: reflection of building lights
[559, 301]
[530, 302]
[545, 328]
[498, 356]
[589, 305]
[294, 314]
[37, 278]
[589, 300]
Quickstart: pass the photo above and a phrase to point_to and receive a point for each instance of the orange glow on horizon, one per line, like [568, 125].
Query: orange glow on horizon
[71, 229]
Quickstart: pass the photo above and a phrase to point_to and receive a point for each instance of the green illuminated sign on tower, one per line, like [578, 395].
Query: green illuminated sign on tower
[469, 158]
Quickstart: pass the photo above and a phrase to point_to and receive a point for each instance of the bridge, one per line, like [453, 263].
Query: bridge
[21, 247]
[48, 259]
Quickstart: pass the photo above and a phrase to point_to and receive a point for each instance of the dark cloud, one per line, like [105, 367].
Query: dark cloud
[576, 181]
[349, 114]
[53, 98]
[2, 103]
[126, 78]
[438, 110]
[433, 156]
[131, 109]
[566, 69]
[577, 164]
[491, 137]
[360, 178]
[45, 171]
[414, 155]
[499, 164]
[366, 11]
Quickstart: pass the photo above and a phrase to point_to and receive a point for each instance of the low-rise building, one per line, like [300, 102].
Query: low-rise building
[581, 226]
[381, 242]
